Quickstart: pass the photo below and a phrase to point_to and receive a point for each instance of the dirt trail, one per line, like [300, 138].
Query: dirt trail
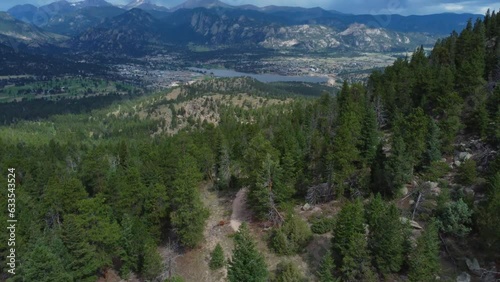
[240, 212]
[193, 265]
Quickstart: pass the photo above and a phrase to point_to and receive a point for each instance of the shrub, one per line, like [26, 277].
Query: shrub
[175, 278]
[467, 173]
[454, 218]
[291, 237]
[322, 224]
[436, 170]
[288, 272]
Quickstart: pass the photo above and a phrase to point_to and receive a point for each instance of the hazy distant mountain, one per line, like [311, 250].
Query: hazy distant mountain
[357, 37]
[137, 32]
[145, 5]
[438, 24]
[80, 20]
[191, 4]
[133, 33]
[441, 24]
[25, 12]
[40, 16]
[18, 32]
[142, 27]
[92, 3]
[296, 14]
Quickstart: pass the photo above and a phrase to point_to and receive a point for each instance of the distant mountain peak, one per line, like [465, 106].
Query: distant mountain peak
[144, 5]
[191, 4]
[95, 3]
[89, 3]
[135, 16]
[6, 17]
[137, 3]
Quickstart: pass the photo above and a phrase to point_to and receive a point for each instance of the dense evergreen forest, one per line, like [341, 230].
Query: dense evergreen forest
[100, 191]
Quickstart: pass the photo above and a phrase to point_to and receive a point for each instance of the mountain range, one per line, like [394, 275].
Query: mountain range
[141, 27]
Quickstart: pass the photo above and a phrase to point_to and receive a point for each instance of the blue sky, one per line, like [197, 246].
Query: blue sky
[404, 7]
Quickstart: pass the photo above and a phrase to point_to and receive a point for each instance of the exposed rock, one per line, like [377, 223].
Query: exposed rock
[469, 191]
[404, 190]
[431, 185]
[436, 191]
[413, 223]
[463, 277]
[473, 265]
[457, 163]
[306, 207]
[316, 209]
[411, 202]
[463, 156]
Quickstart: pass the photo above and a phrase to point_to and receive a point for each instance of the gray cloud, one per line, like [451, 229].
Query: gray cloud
[404, 7]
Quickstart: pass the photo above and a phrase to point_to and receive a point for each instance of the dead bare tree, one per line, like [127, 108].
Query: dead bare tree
[319, 194]
[416, 205]
[274, 215]
[380, 112]
[169, 254]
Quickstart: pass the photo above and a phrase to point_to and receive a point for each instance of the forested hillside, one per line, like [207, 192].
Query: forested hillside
[401, 177]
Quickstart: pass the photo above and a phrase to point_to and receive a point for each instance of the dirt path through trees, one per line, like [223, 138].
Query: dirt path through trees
[240, 212]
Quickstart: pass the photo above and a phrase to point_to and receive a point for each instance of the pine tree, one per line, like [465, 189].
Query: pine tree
[495, 127]
[129, 191]
[62, 195]
[398, 167]
[489, 214]
[347, 139]
[424, 259]
[94, 169]
[325, 273]
[268, 188]
[419, 65]
[41, 264]
[349, 244]
[256, 153]
[217, 258]
[370, 136]
[92, 237]
[374, 211]
[433, 151]
[155, 209]
[450, 106]
[152, 261]
[123, 154]
[378, 177]
[223, 167]
[85, 260]
[480, 121]
[133, 237]
[189, 215]
[470, 59]
[414, 132]
[386, 236]
[246, 264]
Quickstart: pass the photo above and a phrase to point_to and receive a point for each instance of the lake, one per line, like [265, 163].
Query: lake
[262, 77]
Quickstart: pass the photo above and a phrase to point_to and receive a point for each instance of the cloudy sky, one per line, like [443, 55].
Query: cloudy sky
[405, 7]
